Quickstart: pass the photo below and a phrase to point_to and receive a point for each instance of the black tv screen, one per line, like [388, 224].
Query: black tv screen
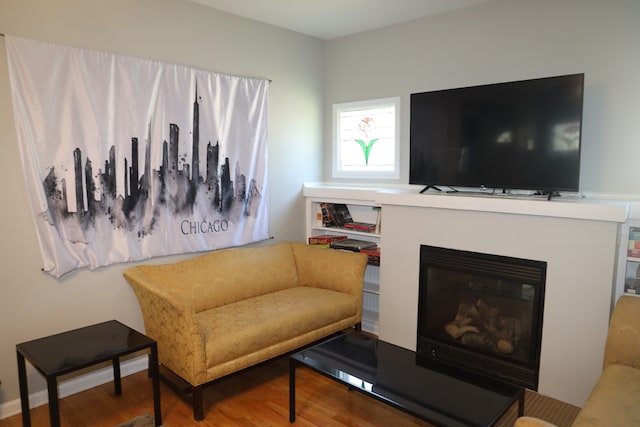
[522, 135]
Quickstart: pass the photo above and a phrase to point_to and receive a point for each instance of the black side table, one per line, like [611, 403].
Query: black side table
[67, 352]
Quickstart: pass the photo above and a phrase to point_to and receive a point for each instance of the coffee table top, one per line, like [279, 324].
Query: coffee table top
[68, 351]
[390, 373]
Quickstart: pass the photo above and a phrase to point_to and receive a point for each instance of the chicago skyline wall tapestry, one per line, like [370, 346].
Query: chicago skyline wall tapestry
[127, 158]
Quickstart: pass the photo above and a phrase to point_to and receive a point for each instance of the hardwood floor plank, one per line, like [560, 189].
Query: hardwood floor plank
[258, 397]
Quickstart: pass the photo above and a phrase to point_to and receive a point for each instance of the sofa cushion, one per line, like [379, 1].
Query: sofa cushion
[614, 399]
[237, 330]
[222, 277]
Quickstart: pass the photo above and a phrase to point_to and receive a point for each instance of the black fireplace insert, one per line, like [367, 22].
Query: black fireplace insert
[481, 313]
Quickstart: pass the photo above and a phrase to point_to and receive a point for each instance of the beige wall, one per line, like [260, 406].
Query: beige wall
[33, 304]
[504, 40]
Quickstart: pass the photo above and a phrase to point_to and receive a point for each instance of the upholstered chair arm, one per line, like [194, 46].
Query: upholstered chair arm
[170, 320]
[623, 339]
[340, 271]
[531, 422]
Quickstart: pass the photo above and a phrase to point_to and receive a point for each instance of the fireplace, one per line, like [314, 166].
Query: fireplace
[481, 313]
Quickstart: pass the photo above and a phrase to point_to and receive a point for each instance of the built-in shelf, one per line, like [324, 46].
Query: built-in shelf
[361, 206]
[372, 288]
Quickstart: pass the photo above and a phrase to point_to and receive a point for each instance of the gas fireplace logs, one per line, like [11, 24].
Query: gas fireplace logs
[482, 326]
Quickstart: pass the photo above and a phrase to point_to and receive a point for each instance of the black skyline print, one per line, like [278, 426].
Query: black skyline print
[200, 204]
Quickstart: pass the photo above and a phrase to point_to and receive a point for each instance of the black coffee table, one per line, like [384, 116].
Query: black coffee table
[67, 352]
[389, 373]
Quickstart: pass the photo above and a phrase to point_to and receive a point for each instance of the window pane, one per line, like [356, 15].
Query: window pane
[366, 139]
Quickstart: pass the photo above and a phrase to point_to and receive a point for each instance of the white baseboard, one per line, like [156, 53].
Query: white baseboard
[76, 385]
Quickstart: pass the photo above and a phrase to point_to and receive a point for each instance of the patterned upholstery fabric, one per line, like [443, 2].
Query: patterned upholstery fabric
[614, 399]
[229, 309]
[623, 338]
[532, 422]
[225, 276]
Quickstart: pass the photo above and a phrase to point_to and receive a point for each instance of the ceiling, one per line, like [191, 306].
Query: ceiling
[330, 19]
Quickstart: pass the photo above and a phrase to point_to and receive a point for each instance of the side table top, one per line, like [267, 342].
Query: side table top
[68, 351]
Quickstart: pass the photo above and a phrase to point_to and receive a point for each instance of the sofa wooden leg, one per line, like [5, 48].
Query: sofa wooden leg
[198, 403]
[358, 327]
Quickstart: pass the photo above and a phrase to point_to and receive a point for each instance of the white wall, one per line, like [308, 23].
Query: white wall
[503, 40]
[32, 304]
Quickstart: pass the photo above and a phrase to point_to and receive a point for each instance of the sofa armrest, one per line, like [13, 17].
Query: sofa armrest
[170, 321]
[340, 271]
[623, 339]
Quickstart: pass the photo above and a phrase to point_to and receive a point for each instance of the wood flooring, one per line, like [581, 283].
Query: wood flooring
[257, 397]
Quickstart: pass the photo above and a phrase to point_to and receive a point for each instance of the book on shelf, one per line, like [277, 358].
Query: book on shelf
[341, 214]
[327, 214]
[335, 214]
[325, 240]
[374, 255]
[378, 210]
[360, 226]
[633, 253]
[634, 244]
[632, 286]
[356, 245]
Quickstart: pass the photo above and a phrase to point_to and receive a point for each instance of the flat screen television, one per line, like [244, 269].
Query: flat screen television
[521, 135]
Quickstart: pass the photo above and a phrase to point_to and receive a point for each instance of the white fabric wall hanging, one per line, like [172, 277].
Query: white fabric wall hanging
[127, 158]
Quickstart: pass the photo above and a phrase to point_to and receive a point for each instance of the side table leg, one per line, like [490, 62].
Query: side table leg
[155, 380]
[54, 410]
[24, 391]
[292, 390]
[117, 378]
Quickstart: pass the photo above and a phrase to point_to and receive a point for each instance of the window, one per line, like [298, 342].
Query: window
[366, 139]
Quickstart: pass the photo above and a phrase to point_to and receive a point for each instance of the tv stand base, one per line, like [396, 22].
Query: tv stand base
[428, 187]
[548, 193]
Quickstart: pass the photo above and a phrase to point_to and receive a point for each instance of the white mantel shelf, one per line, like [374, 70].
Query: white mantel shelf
[574, 208]
[594, 209]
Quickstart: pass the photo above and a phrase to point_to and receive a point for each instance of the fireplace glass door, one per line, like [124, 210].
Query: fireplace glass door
[481, 313]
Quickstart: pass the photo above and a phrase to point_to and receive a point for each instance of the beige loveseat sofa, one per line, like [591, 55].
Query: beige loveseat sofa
[614, 399]
[227, 310]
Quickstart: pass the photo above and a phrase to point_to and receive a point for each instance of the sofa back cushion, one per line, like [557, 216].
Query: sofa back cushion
[228, 275]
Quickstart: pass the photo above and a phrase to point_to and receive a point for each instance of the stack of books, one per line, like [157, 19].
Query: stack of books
[360, 226]
[355, 245]
[338, 215]
[325, 240]
[634, 243]
[374, 255]
[631, 283]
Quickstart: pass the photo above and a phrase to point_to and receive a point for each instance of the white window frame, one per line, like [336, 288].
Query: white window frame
[337, 170]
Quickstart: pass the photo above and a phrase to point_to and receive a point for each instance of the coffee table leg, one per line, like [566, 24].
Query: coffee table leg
[24, 391]
[521, 405]
[54, 409]
[292, 390]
